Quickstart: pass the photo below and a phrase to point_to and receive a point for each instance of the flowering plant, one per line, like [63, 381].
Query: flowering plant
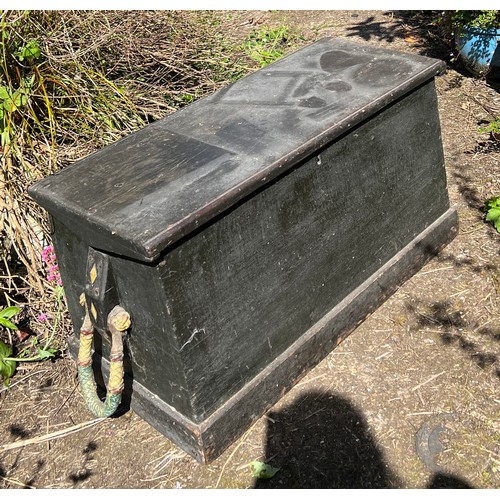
[49, 258]
[33, 351]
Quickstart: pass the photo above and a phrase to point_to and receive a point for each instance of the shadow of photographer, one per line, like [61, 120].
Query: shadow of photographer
[322, 440]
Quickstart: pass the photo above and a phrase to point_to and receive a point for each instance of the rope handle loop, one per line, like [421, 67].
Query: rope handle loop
[118, 321]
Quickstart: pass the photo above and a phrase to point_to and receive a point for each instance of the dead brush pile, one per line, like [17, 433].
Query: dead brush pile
[72, 82]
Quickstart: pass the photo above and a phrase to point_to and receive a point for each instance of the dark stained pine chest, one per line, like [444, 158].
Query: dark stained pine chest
[253, 230]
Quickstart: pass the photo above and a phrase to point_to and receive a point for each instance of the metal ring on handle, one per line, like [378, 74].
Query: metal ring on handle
[118, 322]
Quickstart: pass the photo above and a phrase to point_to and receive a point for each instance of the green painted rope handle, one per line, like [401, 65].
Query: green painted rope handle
[118, 322]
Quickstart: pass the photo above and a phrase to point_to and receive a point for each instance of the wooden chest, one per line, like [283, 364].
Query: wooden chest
[250, 232]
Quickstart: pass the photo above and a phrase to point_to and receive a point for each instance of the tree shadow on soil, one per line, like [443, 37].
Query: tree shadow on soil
[441, 315]
[472, 197]
[85, 472]
[77, 477]
[18, 431]
[419, 29]
[322, 440]
[460, 262]
[4, 474]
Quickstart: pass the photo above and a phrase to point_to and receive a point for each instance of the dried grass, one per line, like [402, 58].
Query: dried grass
[51, 436]
[100, 75]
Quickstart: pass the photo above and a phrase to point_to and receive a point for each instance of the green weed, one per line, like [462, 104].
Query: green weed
[262, 470]
[5, 316]
[493, 126]
[476, 18]
[267, 45]
[34, 348]
[492, 209]
[7, 366]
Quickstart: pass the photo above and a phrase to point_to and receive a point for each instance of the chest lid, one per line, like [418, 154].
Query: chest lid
[144, 192]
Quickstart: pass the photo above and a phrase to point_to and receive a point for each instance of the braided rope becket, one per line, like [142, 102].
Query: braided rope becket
[118, 321]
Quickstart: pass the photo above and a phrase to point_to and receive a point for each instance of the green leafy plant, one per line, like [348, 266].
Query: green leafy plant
[476, 18]
[266, 45]
[7, 366]
[12, 100]
[452, 21]
[262, 470]
[5, 316]
[30, 51]
[42, 353]
[493, 126]
[492, 209]
[34, 350]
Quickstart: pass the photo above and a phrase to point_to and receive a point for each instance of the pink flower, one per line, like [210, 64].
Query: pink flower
[49, 257]
[48, 254]
[42, 317]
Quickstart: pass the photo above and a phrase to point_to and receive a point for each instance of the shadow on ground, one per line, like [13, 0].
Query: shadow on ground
[84, 473]
[422, 29]
[447, 481]
[453, 325]
[451, 321]
[322, 440]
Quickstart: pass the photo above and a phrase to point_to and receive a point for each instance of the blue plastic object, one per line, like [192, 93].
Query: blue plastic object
[477, 47]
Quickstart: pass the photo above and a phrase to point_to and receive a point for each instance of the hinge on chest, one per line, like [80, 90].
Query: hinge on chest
[100, 289]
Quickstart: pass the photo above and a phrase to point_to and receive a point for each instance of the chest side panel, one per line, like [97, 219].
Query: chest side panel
[242, 289]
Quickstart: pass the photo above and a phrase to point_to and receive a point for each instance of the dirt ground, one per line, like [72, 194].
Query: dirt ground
[409, 400]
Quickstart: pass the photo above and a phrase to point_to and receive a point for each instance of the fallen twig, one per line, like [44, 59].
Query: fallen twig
[420, 413]
[427, 381]
[309, 380]
[436, 270]
[17, 483]
[20, 380]
[383, 355]
[242, 440]
[51, 436]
